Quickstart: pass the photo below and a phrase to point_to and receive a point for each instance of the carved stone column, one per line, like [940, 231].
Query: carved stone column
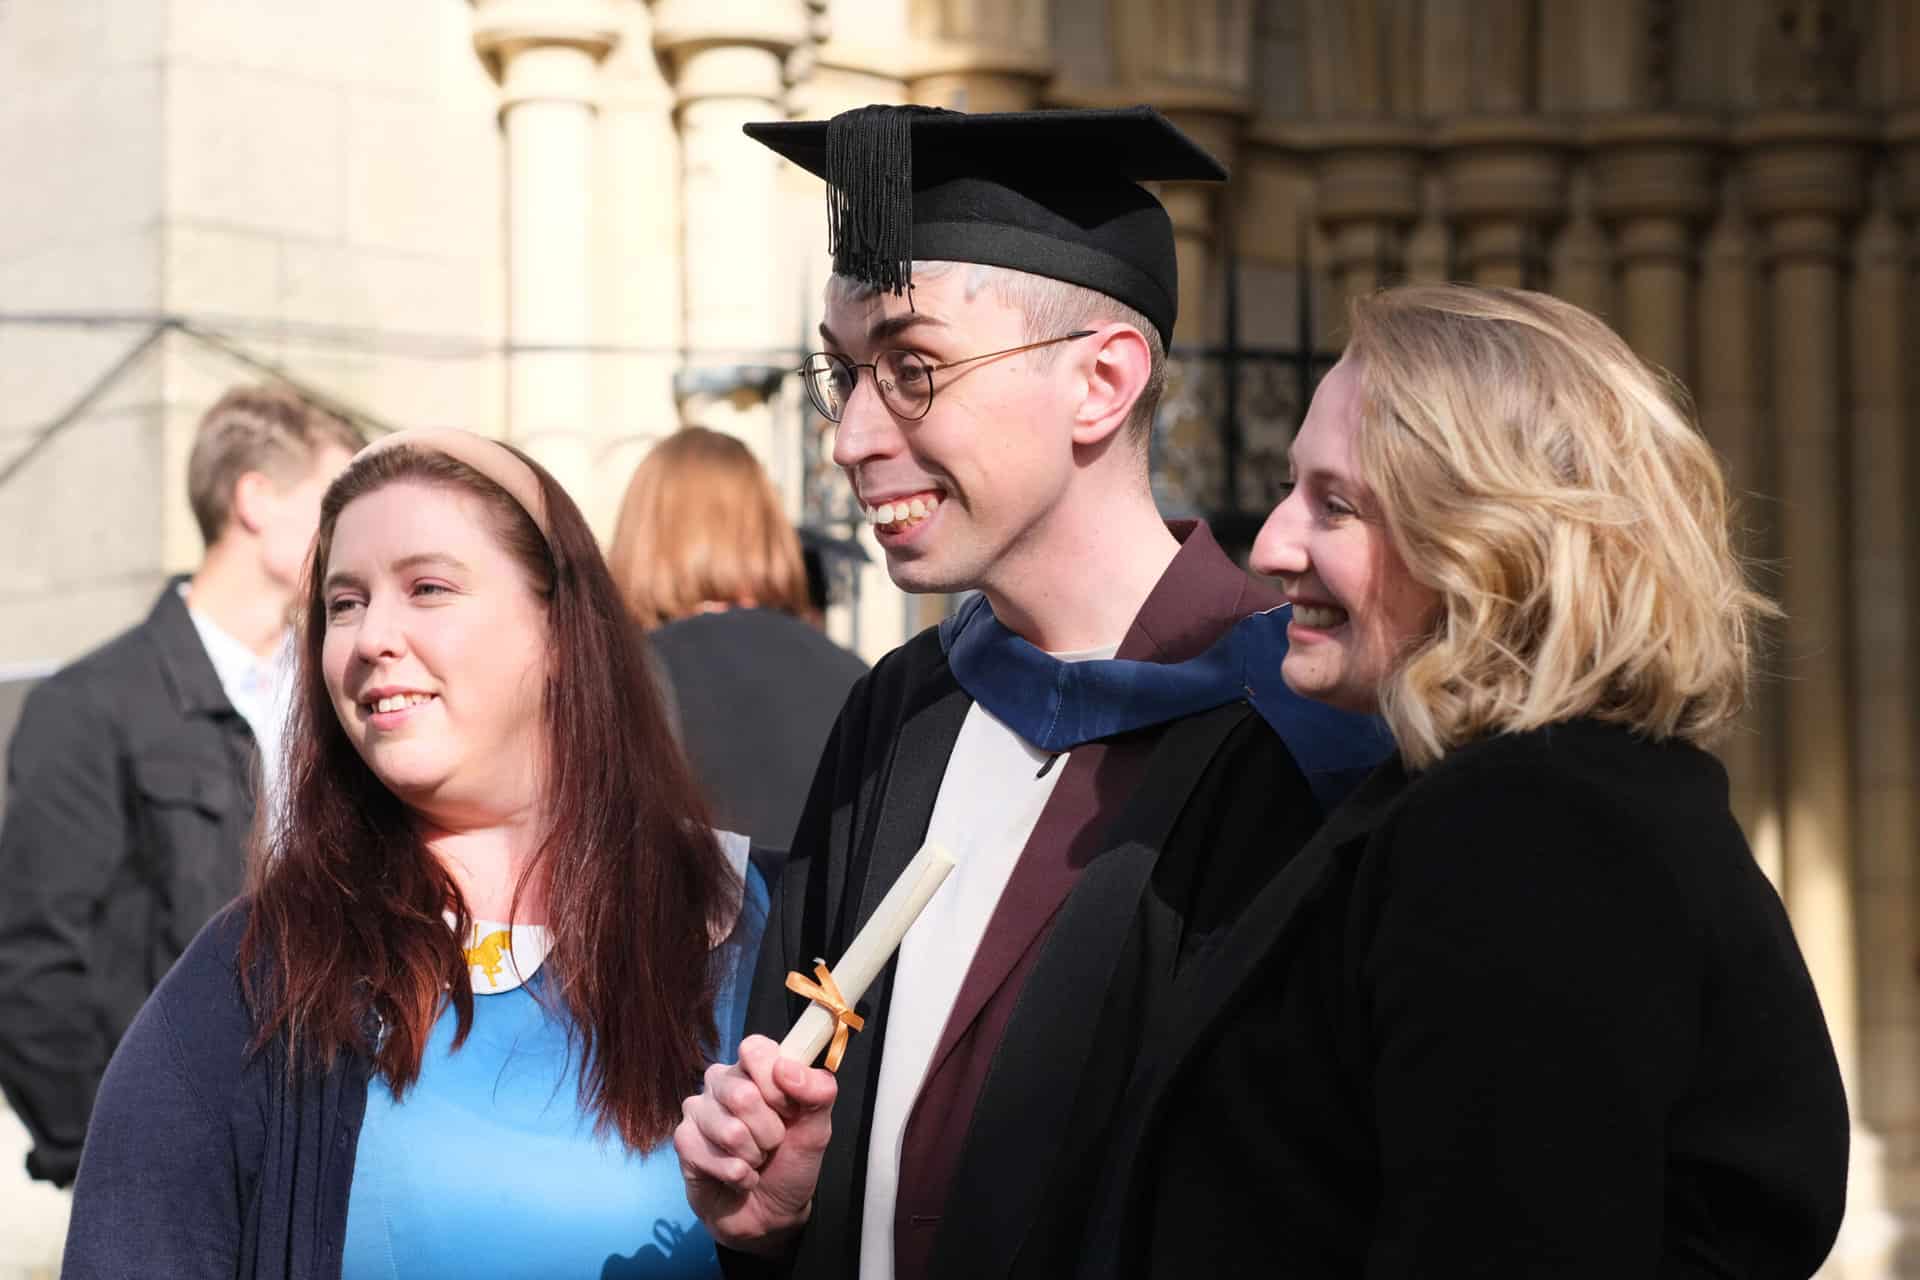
[1805, 180]
[1193, 61]
[1886, 551]
[1807, 164]
[979, 55]
[1430, 243]
[547, 57]
[1653, 184]
[637, 264]
[1503, 55]
[854, 60]
[1195, 208]
[1732, 406]
[727, 61]
[1367, 193]
[1580, 266]
[1506, 187]
[1361, 79]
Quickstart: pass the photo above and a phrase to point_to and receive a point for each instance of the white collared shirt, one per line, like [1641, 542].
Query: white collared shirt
[260, 689]
[995, 787]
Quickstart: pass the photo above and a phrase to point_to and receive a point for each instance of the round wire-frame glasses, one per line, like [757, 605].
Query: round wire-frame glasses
[904, 379]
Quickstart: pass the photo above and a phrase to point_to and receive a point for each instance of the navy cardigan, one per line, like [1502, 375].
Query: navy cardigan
[216, 1162]
[204, 1160]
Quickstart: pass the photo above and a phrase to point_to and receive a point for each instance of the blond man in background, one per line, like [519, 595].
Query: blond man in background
[133, 775]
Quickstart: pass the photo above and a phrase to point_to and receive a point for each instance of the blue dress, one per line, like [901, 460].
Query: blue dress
[488, 1167]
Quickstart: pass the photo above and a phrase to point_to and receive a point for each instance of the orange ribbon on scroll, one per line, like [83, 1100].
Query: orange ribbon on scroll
[826, 994]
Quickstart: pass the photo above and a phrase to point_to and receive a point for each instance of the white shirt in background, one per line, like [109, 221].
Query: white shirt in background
[260, 689]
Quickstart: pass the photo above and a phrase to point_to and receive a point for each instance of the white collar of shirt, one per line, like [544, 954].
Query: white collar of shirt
[1101, 654]
[246, 678]
[502, 956]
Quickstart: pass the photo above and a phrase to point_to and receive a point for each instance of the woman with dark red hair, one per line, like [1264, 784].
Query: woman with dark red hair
[490, 944]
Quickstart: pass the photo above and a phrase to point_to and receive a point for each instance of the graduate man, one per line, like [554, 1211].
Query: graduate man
[1079, 735]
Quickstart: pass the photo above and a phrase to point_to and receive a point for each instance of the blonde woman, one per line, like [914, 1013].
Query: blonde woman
[707, 562]
[1525, 1006]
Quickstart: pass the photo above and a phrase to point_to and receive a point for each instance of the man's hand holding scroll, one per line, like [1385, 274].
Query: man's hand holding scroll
[750, 1146]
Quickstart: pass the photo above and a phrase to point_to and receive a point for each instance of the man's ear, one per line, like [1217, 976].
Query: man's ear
[1117, 365]
[253, 493]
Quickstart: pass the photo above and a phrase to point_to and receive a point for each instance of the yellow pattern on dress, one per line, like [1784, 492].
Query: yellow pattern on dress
[486, 954]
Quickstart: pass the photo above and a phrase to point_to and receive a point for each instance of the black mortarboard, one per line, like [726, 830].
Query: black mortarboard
[1055, 193]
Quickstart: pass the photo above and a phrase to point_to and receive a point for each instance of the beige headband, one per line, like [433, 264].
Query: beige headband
[489, 457]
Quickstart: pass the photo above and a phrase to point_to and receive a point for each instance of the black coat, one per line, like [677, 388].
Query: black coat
[1534, 1012]
[756, 693]
[207, 1160]
[130, 797]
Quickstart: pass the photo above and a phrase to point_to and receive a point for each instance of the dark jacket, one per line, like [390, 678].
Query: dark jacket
[203, 1160]
[757, 692]
[1534, 1012]
[1150, 841]
[130, 788]
[206, 1160]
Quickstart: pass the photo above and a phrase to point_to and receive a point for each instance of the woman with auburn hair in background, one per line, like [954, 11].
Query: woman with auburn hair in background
[707, 561]
[1525, 1006]
[490, 945]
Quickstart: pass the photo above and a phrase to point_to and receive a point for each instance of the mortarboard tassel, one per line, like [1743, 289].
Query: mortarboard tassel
[870, 195]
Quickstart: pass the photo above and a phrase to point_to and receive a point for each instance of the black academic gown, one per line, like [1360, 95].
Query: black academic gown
[1175, 827]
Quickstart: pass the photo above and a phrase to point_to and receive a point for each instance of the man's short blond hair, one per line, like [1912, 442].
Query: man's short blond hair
[1554, 490]
[268, 429]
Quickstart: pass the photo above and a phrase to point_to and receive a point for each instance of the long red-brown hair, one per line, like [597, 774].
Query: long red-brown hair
[347, 903]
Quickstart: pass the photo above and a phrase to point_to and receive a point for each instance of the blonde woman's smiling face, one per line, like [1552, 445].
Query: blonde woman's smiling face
[1356, 608]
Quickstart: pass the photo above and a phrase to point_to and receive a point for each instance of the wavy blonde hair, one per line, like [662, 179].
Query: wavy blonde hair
[1552, 488]
[700, 525]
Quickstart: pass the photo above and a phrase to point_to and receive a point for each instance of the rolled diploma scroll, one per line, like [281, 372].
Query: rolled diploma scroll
[871, 948]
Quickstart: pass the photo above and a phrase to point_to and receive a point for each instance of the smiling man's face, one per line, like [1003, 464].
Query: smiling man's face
[969, 487]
